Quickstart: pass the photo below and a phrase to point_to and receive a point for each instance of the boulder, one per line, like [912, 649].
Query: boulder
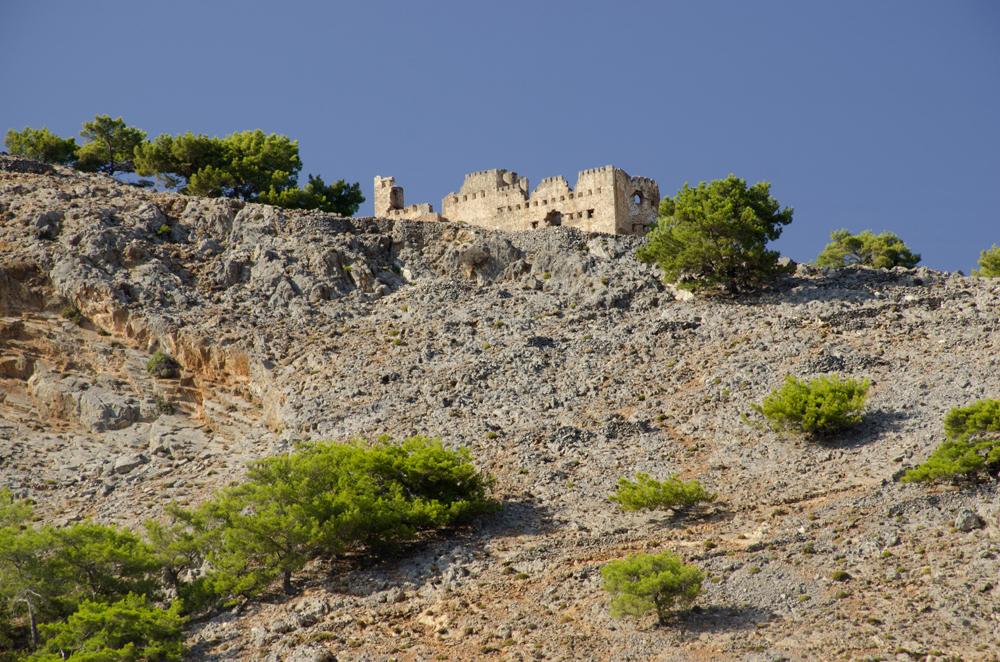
[126, 463]
[309, 653]
[102, 410]
[967, 520]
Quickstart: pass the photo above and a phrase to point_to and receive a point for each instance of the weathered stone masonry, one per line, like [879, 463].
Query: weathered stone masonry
[604, 200]
[389, 201]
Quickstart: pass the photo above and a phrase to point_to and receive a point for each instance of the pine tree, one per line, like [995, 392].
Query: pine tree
[714, 235]
[989, 260]
[110, 146]
[883, 251]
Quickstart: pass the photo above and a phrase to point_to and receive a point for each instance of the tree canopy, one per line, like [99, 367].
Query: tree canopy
[989, 260]
[250, 165]
[972, 447]
[127, 629]
[41, 145]
[648, 494]
[46, 573]
[338, 198]
[867, 249]
[109, 147]
[645, 582]
[175, 160]
[715, 234]
[251, 162]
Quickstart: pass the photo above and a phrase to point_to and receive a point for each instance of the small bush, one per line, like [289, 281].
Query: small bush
[73, 314]
[164, 405]
[972, 448]
[648, 494]
[163, 366]
[821, 406]
[164, 229]
[645, 582]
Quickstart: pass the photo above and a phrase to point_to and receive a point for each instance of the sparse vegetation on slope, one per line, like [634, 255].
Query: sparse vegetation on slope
[647, 582]
[597, 372]
[972, 448]
[648, 494]
[820, 406]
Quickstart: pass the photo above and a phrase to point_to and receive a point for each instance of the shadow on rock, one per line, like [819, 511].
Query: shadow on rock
[719, 618]
[682, 518]
[518, 517]
[874, 424]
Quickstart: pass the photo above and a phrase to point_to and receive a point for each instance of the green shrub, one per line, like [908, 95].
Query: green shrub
[331, 498]
[163, 405]
[989, 260]
[45, 573]
[645, 582]
[821, 406]
[972, 448]
[648, 494]
[883, 251]
[163, 366]
[164, 229]
[73, 314]
[129, 629]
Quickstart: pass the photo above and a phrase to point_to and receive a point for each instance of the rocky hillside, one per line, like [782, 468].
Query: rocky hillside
[561, 363]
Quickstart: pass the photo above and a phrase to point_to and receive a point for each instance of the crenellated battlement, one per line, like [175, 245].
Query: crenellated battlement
[604, 200]
[594, 171]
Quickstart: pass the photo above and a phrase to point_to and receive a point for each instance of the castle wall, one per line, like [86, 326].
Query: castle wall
[389, 202]
[637, 202]
[604, 200]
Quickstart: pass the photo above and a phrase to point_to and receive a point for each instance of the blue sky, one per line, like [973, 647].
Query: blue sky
[874, 114]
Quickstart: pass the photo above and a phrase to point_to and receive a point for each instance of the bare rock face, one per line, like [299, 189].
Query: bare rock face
[968, 520]
[561, 362]
[126, 463]
[76, 400]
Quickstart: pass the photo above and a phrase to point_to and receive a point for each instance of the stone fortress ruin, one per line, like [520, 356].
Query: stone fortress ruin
[604, 200]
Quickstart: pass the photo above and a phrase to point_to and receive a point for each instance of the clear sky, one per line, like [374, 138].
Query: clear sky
[871, 114]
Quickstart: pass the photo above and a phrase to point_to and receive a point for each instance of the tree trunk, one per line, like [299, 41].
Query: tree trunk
[286, 583]
[34, 627]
